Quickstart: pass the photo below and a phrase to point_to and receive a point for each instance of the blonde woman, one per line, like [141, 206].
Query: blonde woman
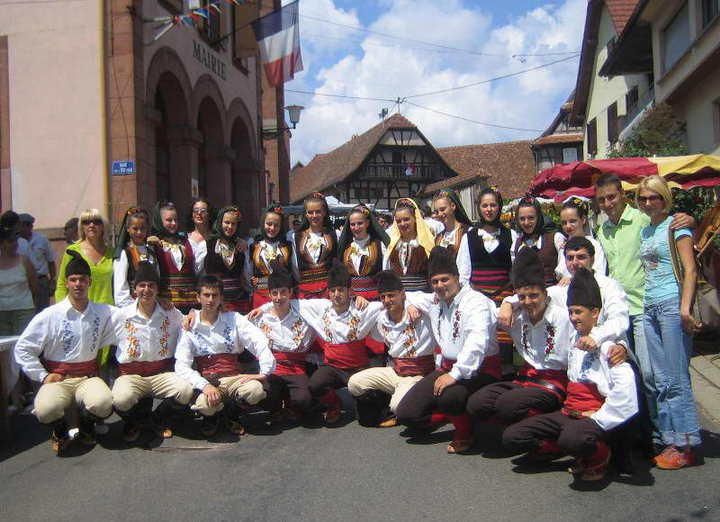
[669, 324]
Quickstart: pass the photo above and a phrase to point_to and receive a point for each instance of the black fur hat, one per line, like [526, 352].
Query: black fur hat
[528, 269]
[389, 281]
[584, 290]
[279, 277]
[338, 275]
[77, 265]
[146, 272]
[442, 261]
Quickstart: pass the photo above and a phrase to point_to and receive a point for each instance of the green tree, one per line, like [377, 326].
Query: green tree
[660, 133]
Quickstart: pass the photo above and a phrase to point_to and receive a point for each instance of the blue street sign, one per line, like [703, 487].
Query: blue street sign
[123, 168]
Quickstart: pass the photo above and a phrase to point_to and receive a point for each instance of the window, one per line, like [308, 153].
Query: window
[710, 10]
[591, 134]
[612, 123]
[211, 27]
[676, 38]
[570, 154]
[631, 100]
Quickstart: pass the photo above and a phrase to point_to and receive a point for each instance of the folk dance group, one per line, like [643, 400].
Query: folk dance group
[415, 322]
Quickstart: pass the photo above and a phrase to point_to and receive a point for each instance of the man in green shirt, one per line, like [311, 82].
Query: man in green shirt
[620, 239]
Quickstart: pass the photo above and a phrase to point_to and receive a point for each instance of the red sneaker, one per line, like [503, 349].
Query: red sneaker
[675, 458]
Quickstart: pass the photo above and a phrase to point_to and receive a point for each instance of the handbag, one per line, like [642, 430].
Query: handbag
[706, 308]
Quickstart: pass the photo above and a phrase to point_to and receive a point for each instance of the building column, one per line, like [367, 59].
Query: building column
[219, 173]
[185, 142]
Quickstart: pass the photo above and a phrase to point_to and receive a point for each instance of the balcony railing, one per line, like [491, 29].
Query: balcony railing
[644, 102]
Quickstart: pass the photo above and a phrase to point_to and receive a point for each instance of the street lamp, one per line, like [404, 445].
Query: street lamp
[294, 115]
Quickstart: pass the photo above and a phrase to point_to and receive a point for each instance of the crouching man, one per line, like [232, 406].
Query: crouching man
[59, 349]
[600, 397]
[378, 391]
[146, 339]
[213, 343]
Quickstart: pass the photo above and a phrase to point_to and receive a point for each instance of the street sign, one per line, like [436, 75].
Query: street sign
[123, 168]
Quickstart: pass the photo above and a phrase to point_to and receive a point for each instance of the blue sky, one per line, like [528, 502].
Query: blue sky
[427, 46]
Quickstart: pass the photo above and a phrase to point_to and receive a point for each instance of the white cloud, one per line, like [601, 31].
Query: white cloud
[387, 68]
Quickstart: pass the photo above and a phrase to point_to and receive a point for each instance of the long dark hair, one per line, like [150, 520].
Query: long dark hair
[316, 197]
[123, 237]
[212, 213]
[277, 210]
[530, 202]
[492, 191]
[375, 231]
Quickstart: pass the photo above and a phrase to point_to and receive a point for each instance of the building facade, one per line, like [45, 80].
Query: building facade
[562, 141]
[677, 44]
[99, 113]
[602, 105]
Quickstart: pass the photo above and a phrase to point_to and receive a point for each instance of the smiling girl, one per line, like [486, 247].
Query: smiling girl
[448, 210]
[131, 250]
[315, 247]
[573, 222]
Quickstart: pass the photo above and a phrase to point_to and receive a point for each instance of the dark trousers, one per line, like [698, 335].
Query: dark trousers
[510, 401]
[294, 386]
[577, 437]
[417, 405]
[327, 378]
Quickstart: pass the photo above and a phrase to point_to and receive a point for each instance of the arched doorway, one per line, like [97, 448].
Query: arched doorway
[246, 189]
[212, 169]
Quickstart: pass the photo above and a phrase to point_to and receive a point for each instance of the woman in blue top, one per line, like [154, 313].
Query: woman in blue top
[669, 324]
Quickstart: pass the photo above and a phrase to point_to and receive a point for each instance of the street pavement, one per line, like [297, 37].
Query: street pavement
[317, 473]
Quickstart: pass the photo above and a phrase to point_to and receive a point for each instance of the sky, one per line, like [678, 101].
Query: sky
[390, 49]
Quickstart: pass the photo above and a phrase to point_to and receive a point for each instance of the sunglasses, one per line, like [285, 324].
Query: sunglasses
[648, 199]
[93, 221]
[200, 211]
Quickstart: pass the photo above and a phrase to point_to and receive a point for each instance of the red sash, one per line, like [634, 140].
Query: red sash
[410, 366]
[582, 396]
[218, 365]
[146, 368]
[313, 290]
[346, 356]
[77, 369]
[289, 363]
[260, 297]
[533, 377]
[491, 365]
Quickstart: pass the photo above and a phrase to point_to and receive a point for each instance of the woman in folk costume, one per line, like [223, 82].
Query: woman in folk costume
[268, 247]
[360, 247]
[199, 223]
[450, 212]
[226, 262]
[315, 247]
[573, 223]
[536, 233]
[484, 260]
[175, 256]
[131, 250]
[411, 241]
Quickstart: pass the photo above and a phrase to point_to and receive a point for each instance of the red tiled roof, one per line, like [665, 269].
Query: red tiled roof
[620, 12]
[510, 166]
[332, 167]
[559, 138]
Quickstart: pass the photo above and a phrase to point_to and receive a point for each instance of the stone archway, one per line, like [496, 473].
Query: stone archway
[171, 139]
[248, 183]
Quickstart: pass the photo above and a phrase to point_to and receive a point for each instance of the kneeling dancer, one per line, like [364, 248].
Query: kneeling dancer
[463, 324]
[213, 343]
[541, 332]
[59, 349]
[600, 397]
[411, 346]
[146, 339]
[290, 339]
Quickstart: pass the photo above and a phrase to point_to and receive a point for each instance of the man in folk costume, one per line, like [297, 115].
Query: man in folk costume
[541, 332]
[290, 338]
[341, 328]
[146, 338]
[614, 319]
[213, 343]
[411, 346]
[59, 349]
[463, 324]
[600, 397]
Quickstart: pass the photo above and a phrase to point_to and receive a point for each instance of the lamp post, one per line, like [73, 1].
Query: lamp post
[294, 115]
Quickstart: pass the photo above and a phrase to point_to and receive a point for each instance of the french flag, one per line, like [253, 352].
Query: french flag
[278, 37]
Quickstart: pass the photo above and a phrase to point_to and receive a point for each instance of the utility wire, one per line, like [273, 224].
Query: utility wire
[469, 120]
[489, 80]
[340, 95]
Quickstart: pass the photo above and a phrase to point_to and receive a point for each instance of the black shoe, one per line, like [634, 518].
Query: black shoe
[209, 425]
[131, 431]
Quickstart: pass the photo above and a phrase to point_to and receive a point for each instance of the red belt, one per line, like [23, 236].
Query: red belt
[146, 368]
[582, 396]
[218, 365]
[78, 369]
[491, 365]
[289, 363]
[554, 381]
[411, 366]
[346, 356]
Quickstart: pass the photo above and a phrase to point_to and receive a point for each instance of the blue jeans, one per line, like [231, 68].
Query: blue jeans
[670, 348]
[639, 349]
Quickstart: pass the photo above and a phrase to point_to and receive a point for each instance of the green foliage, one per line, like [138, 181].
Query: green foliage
[660, 133]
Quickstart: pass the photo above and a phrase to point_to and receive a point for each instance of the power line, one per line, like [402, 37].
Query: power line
[471, 121]
[510, 75]
[340, 95]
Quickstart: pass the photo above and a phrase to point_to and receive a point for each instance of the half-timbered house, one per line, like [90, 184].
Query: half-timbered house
[391, 160]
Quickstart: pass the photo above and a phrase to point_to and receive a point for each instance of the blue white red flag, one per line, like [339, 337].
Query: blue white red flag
[278, 37]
